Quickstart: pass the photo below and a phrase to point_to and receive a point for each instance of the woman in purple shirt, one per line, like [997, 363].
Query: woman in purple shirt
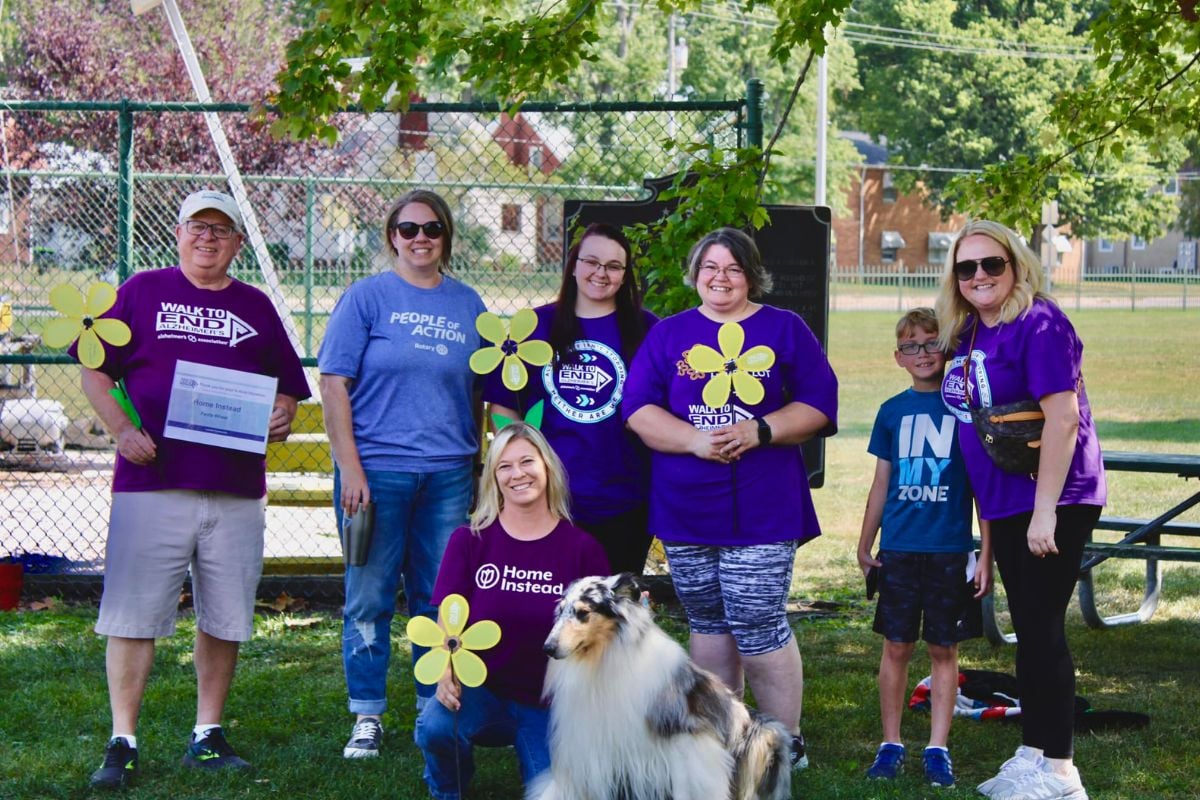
[729, 496]
[511, 564]
[1013, 343]
[595, 327]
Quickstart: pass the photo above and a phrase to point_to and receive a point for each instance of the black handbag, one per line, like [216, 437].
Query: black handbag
[1011, 434]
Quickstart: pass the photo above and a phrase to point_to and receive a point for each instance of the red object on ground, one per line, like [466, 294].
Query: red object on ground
[11, 578]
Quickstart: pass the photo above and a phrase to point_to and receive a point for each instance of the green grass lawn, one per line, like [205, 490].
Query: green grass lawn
[287, 711]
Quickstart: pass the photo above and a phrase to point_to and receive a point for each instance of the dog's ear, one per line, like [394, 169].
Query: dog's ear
[626, 586]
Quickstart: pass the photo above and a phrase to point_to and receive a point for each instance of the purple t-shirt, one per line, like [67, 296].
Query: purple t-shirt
[236, 328]
[516, 584]
[1033, 356]
[764, 497]
[607, 465]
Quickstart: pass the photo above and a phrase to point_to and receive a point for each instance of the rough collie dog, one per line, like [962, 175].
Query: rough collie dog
[632, 718]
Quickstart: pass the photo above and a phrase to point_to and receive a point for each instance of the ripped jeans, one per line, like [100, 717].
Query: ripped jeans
[415, 513]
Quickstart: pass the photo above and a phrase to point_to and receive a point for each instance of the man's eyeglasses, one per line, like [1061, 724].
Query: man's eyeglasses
[408, 230]
[992, 265]
[733, 272]
[614, 267]
[219, 229]
[912, 348]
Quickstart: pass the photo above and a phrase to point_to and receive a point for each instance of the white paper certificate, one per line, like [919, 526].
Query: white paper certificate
[220, 407]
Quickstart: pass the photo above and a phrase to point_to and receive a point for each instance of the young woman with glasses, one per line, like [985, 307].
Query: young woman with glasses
[595, 326]
[729, 493]
[399, 409]
[1013, 343]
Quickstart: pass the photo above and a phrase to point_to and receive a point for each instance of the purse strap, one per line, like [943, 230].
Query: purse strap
[967, 364]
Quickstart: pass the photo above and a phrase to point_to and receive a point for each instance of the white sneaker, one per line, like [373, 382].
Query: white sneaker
[1042, 784]
[1025, 760]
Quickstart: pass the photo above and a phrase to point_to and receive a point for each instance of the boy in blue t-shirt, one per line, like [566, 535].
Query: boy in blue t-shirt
[921, 498]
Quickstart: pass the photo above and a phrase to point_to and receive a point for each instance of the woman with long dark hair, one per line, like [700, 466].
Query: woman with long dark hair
[595, 326]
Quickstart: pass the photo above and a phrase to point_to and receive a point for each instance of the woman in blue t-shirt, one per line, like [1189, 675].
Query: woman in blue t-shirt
[595, 326]
[397, 391]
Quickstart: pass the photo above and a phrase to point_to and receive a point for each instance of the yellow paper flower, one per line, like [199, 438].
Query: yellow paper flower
[79, 320]
[731, 368]
[450, 645]
[508, 345]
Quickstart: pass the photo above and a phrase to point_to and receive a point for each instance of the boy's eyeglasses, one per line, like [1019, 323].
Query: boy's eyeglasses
[912, 348]
[992, 265]
[613, 267]
[408, 230]
[197, 228]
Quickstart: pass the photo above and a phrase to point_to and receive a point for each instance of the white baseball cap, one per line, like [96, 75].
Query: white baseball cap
[208, 199]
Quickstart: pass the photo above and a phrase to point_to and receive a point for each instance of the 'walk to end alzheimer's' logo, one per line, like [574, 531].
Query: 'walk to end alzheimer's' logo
[201, 323]
[954, 393]
[589, 388]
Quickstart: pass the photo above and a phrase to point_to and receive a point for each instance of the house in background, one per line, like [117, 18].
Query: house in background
[886, 230]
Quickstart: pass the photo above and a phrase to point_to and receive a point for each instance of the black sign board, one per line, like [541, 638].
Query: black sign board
[794, 248]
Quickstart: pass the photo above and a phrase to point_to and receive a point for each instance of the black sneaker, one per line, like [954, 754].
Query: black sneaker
[120, 765]
[213, 752]
[364, 739]
[799, 755]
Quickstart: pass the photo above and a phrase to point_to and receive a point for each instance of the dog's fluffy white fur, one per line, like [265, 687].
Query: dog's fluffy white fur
[632, 718]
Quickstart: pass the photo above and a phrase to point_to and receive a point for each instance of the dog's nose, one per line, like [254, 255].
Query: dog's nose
[549, 649]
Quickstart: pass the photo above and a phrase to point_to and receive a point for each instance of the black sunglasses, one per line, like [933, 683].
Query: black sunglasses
[408, 230]
[992, 265]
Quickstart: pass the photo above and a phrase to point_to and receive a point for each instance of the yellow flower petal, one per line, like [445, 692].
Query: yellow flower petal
[486, 359]
[100, 298]
[113, 331]
[716, 391]
[757, 359]
[453, 614]
[749, 388]
[535, 352]
[731, 337]
[515, 374]
[703, 358]
[469, 668]
[61, 331]
[483, 635]
[491, 327]
[67, 300]
[425, 632]
[91, 352]
[522, 324]
[431, 666]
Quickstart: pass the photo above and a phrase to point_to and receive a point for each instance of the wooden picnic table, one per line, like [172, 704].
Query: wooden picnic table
[1142, 541]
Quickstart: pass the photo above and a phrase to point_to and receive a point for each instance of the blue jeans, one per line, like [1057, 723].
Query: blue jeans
[485, 720]
[415, 513]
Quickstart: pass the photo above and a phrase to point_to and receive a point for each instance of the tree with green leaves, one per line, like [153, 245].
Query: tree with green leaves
[979, 93]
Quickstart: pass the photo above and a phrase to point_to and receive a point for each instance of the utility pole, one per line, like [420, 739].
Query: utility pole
[822, 120]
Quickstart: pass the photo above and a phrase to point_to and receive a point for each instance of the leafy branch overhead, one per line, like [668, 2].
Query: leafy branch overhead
[378, 53]
[1140, 108]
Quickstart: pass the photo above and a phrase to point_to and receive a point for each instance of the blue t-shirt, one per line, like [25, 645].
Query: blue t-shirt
[407, 350]
[928, 506]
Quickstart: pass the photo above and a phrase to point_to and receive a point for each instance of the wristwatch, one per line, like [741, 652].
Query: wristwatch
[764, 431]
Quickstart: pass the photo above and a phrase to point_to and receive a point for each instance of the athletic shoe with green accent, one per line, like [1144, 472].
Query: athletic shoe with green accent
[213, 752]
[120, 765]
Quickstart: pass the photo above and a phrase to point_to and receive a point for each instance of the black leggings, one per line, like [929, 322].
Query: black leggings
[1039, 590]
[624, 538]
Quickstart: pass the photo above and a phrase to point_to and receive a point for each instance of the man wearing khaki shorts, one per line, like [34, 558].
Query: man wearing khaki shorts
[180, 505]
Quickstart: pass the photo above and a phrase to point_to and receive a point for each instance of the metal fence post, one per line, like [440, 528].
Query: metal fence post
[754, 113]
[309, 200]
[124, 192]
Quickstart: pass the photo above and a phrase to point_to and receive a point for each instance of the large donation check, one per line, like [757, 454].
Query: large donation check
[220, 407]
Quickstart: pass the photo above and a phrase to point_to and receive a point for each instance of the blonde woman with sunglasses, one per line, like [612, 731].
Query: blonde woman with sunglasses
[1012, 343]
[399, 403]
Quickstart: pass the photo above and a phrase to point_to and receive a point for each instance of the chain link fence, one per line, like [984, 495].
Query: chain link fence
[884, 288]
[78, 205]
